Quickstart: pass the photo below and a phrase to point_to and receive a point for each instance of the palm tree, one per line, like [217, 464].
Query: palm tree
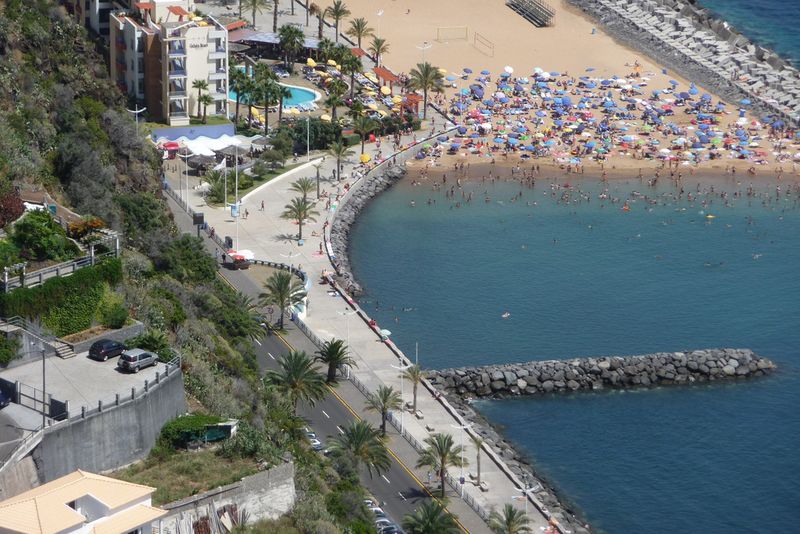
[351, 65]
[236, 80]
[205, 100]
[478, 442]
[430, 518]
[363, 126]
[320, 12]
[364, 444]
[325, 49]
[292, 42]
[359, 28]
[384, 400]
[317, 168]
[334, 354]
[200, 85]
[267, 89]
[299, 209]
[303, 186]
[297, 379]
[356, 109]
[275, 15]
[251, 327]
[338, 11]
[339, 150]
[282, 290]
[333, 102]
[414, 374]
[250, 90]
[511, 521]
[441, 454]
[255, 6]
[425, 77]
[281, 93]
[378, 47]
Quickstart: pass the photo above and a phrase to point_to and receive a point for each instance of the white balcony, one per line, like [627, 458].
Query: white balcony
[217, 53]
[217, 74]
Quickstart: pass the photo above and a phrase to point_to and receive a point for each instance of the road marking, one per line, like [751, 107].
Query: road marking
[398, 460]
[339, 429]
[257, 341]
[386, 479]
[270, 355]
[326, 414]
[402, 496]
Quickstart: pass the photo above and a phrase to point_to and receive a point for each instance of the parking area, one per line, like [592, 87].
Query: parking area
[82, 381]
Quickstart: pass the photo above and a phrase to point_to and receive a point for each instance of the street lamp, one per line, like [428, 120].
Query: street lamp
[425, 46]
[136, 114]
[308, 137]
[402, 369]
[462, 428]
[347, 314]
[526, 493]
[380, 14]
[186, 173]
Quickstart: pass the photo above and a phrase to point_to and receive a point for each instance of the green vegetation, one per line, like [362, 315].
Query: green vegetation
[384, 400]
[365, 445]
[510, 521]
[430, 517]
[282, 289]
[334, 355]
[179, 432]
[212, 120]
[9, 347]
[440, 454]
[38, 237]
[297, 379]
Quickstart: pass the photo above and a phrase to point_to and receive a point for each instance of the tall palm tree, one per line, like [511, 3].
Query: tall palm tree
[351, 64]
[511, 521]
[317, 168]
[359, 28]
[297, 379]
[337, 12]
[267, 83]
[200, 85]
[303, 186]
[478, 442]
[339, 150]
[440, 454]
[250, 90]
[320, 12]
[413, 374]
[384, 400]
[236, 80]
[282, 93]
[205, 100]
[325, 49]
[250, 328]
[364, 444]
[275, 15]
[255, 6]
[356, 110]
[334, 354]
[332, 103]
[292, 42]
[425, 77]
[430, 518]
[282, 290]
[378, 47]
[364, 126]
[299, 209]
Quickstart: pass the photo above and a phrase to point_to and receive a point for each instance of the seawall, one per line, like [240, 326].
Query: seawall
[340, 229]
[614, 372]
[689, 39]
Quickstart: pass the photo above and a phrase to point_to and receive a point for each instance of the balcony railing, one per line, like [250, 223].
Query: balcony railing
[177, 73]
[180, 93]
[177, 52]
[178, 114]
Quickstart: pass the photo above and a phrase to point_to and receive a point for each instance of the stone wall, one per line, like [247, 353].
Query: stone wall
[662, 368]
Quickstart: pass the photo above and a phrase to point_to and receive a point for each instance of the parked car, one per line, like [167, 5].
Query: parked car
[136, 359]
[104, 349]
[4, 401]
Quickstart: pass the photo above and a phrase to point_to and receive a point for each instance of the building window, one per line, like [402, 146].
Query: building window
[141, 64]
[73, 505]
[137, 531]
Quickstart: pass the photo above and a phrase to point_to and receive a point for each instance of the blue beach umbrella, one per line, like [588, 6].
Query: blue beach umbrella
[693, 90]
[485, 72]
[674, 82]
[513, 141]
[442, 138]
[549, 142]
[745, 102]
[451, 78]
[589, 69]
[555, 74]
[462, 130]
[591, 85]
[455, 146]
[541, 113]
[499, 140]
[530, 148]
[505, 75]
[706, 97]
[467, 70]
[465, 92]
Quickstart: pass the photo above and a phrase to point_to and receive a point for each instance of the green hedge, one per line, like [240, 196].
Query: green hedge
[179, 432]
[65, 304]
[351, 139]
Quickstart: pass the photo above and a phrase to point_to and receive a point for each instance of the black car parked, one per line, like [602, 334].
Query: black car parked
[4, 401]
[106, 348]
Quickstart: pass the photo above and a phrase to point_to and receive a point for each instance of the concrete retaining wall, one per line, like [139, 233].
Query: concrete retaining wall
[662, 368]
[120, 334]
[119, 435]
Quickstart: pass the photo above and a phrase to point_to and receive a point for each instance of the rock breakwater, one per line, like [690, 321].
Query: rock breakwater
[615, 372]
[365, 191]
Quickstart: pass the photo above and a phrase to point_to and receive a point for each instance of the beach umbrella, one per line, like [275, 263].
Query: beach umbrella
[606, 83]
[455, 146]
[462, 130]
[745, 102]
[674, 82]
[541, 113]
[465, 92]
[364, 158]
[332, 62]
[499, 140]
[310, 62]
[467, 70]
[555, 74]
[549, 142]
[442, 71]
[693, 90]
[532, 148]
[504, 99]
[513, 141]
[385, 91]
[589, 69]
[591, 85]
[485, 72]
[508, 69]
[442, 138]
[450, 78]
[505, 75]
[684, 95]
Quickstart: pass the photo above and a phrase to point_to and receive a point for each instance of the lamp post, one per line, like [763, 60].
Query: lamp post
[402, 369]
[186, 173]
[425, 46]
[380, 14]
[462, 428]
[308, 137]
[136, 114]
[347, 314]
[525, 494]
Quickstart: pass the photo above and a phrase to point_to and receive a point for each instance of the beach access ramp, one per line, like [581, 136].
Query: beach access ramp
[537, 12]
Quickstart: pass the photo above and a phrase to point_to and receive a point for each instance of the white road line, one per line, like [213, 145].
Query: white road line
[270, 355]
[386, 479]
[325, 414]
[259, 343]
[339, 429]
[402, 496]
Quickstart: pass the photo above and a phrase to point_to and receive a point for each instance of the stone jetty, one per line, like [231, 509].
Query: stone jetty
[591, 374]
[691, 40]
[346, 216]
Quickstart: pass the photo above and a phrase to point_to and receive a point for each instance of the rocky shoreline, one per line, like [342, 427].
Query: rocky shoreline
[689, 39]
[346, 216]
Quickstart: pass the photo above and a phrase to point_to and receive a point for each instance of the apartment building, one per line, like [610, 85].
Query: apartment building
[159, 49]
[81, 503]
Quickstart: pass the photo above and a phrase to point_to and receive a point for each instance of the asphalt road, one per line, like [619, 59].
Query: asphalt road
[397, 490]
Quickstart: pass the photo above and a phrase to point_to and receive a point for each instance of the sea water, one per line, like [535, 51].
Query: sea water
[588, 278]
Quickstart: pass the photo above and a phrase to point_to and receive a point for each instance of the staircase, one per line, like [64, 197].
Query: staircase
[12, 324]
[538, 12]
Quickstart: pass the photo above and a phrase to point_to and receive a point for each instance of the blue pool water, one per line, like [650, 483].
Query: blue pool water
[299, 96]
[583, 279]
[770, 23]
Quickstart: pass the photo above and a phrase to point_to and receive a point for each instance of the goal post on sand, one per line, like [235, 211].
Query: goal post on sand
[483, 44]
[452, 33]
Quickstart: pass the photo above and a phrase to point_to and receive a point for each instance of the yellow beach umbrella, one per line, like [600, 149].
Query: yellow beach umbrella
[372, 106]
[443, 71]
[311, 63]
[365, 158]
[385, 91]
[332, 62]
[397, 99]
[326, 118]
[370, 93]
[294, 111]
[382, 113]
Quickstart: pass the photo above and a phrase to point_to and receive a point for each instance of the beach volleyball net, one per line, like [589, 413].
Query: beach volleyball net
[452, 33]
[484, 45]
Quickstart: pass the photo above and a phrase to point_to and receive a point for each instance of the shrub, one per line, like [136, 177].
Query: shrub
[11, 206]
[111, 311]
[9, 253]
[186, 260]
[249, 442]
[39, 237]
[9, 348]
[75, 313]
[351, 139]
[179, 432]
[87, 225]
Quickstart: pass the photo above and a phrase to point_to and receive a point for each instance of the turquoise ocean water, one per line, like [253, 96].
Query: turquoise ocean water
[582, 277]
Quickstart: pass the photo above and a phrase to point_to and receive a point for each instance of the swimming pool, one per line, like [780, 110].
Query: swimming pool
[299, 95]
